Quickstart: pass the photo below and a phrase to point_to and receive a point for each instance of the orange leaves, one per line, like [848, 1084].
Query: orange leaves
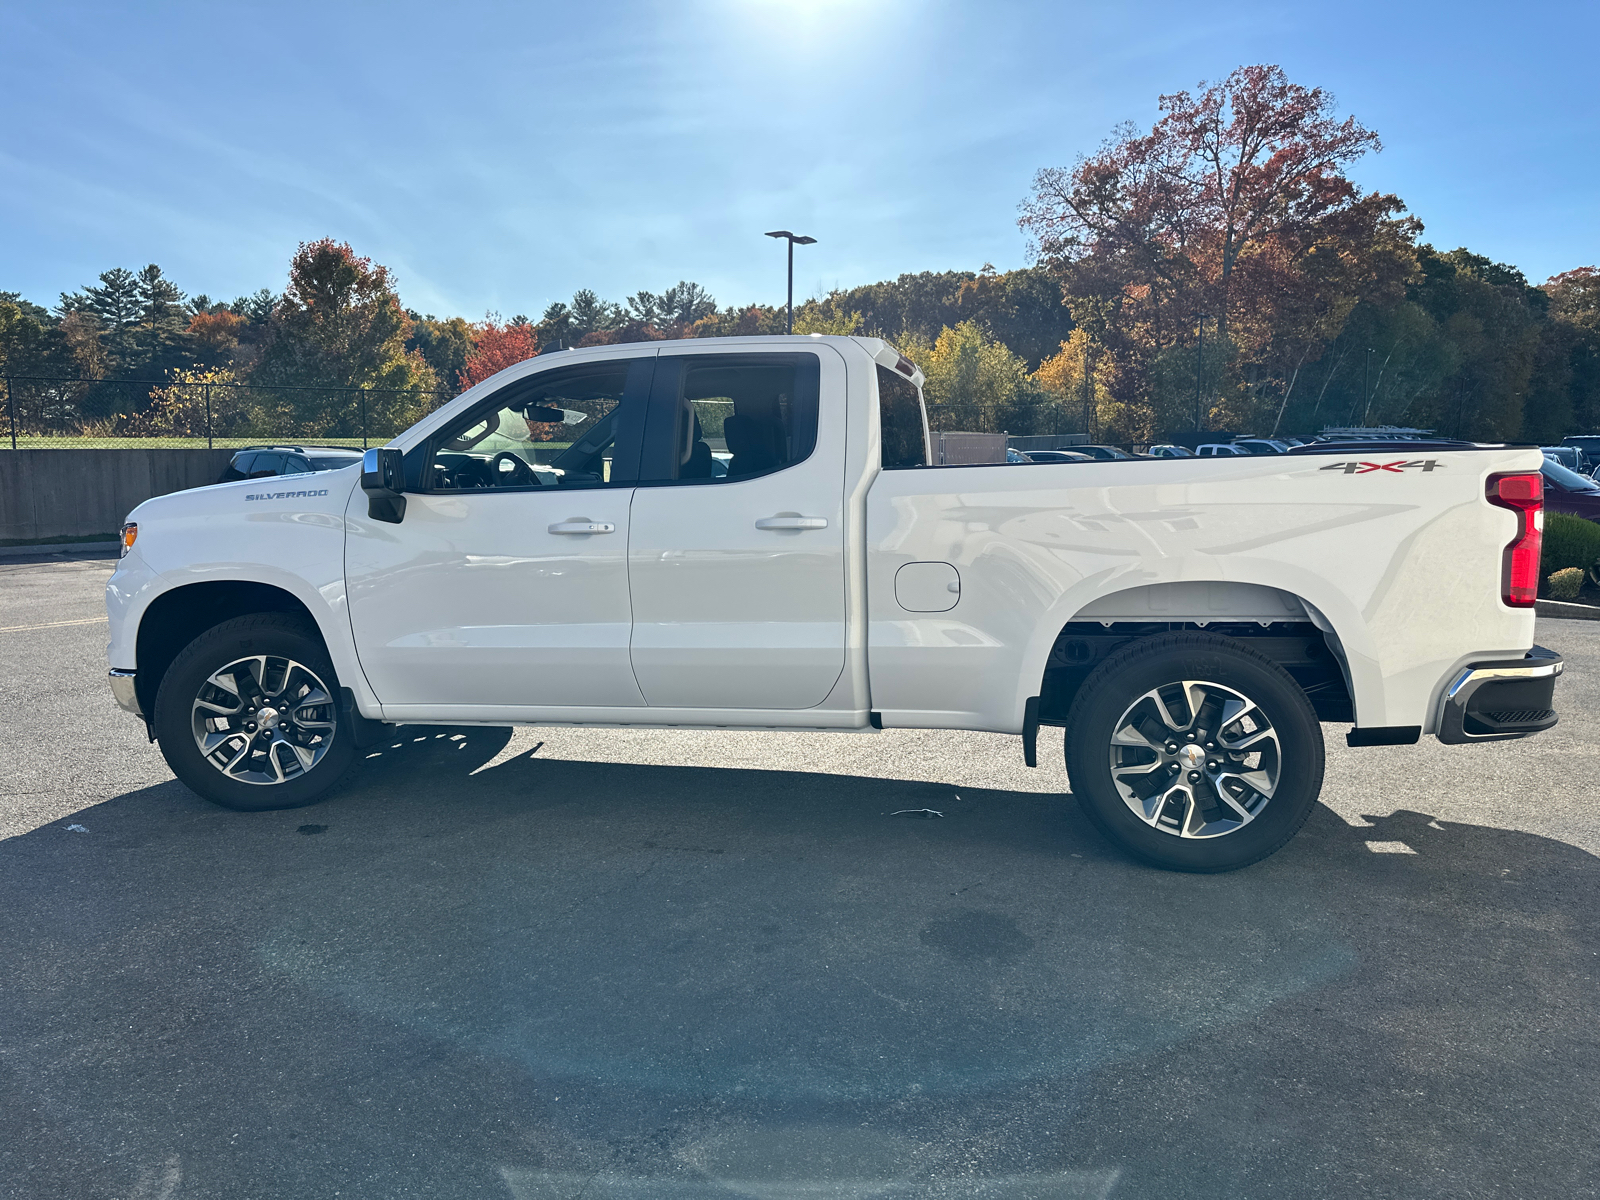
[495, 348]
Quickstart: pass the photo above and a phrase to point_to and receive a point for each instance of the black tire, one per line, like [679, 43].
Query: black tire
[277, 637]
[1170, 829]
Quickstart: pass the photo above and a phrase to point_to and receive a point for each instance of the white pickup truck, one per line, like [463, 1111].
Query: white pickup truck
[744, 533]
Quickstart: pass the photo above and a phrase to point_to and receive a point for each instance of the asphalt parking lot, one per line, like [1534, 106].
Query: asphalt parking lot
[563, 963]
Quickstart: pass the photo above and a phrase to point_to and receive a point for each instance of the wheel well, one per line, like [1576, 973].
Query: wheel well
[1299, 647]
[176, 618]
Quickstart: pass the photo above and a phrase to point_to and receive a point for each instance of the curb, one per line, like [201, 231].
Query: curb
[1563, 608]
[60, 548]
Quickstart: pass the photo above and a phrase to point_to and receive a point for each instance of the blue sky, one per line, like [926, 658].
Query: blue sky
[498, 157]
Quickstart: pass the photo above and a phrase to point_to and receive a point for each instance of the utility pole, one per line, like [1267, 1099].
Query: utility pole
[794, 239]
[1088, 412]
[1366, 395]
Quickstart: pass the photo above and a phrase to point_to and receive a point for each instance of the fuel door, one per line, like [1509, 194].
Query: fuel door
[927, 587]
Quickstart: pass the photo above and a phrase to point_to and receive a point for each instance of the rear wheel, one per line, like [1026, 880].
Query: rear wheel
[248, 715]
[1194, 753]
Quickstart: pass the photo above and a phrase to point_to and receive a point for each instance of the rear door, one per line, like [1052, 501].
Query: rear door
[738, 579]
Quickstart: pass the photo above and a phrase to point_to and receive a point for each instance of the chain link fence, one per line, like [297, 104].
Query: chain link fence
[1040, 419]
[65, 413]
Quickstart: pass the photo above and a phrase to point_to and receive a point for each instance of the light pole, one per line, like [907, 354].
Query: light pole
[1199, 355]
[794, 240]
[1366, 395]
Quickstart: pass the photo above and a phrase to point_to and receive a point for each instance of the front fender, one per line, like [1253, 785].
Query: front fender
[286, 533]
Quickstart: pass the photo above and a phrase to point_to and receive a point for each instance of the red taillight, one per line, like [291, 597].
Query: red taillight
[1519, 571]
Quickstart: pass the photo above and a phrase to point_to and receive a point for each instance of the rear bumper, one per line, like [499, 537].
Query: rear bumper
[122, 688]
[1495, 701]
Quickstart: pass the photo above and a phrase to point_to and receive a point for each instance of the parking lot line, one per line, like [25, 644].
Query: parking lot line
[52, 625]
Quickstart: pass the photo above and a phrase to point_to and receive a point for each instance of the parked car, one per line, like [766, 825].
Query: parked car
[1165, 450]
[1104, 453]
[1566, 491]
[1588, 445]
[1569, 457]
[834, 579]
[1060, 456]
[262, 462]
[1261, 445]
[1221, 450]
[1013, 455]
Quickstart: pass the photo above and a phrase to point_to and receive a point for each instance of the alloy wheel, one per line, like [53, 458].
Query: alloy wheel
[263, 719]
[1195, 759]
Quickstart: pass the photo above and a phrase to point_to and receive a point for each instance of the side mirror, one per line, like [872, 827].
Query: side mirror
[383, 479]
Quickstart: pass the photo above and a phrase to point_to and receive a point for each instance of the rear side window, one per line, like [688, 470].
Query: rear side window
[900, 421]
[267, 463]
[730, 417]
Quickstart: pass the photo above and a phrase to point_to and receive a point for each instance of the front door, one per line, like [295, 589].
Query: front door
[736, 544]
[505, 584]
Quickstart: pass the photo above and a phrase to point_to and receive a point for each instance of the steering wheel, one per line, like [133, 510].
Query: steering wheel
[520, 475]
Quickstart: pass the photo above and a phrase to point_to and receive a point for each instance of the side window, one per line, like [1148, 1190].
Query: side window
[727, 417]
[566, 428]
[900, 421]
[239, 467]
[293, 464]
[267, 463]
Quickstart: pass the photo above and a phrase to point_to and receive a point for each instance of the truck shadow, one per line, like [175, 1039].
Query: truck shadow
[471, 971]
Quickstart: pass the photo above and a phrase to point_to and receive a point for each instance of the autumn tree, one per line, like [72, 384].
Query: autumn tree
[1234, 205]
[213, 335]
[494, 348]
[1572, 354]
[340, 325]
[975, 382]
[444, 343]
[1025, 309]
[1074, 381]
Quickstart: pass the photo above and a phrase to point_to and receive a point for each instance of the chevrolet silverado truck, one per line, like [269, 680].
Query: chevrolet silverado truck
[558, 546]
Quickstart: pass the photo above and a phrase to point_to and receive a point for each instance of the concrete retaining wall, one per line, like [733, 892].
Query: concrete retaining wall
[81, 493]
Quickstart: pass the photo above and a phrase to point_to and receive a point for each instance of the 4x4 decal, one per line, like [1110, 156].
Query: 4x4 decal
[1398, 466]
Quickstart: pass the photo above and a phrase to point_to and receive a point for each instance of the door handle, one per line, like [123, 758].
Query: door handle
[792, 523]
[583, 527]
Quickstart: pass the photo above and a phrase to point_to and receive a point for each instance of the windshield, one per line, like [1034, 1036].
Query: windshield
[1566, 479]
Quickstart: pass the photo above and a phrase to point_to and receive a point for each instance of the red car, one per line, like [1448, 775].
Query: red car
[1565, 491]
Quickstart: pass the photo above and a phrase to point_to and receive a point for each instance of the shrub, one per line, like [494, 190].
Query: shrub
[1569, 541]
[1566, 583]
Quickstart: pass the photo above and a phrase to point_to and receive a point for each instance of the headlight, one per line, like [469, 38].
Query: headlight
[130, 534]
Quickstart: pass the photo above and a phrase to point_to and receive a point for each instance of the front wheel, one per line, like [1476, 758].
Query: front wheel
[248, 715]
[1194, 753]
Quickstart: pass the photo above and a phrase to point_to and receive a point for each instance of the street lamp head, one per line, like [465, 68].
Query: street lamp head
[783, 233]
[805, 241]
[798, 239]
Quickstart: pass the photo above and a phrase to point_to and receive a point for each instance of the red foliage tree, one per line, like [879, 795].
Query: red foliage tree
[215, 334]
[1248, 174]
[496, 347]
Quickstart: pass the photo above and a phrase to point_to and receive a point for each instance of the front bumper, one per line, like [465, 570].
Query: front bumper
[1496, 701]
[122, 688]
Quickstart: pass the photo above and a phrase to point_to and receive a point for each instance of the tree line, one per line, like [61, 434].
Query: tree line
[1218, 270]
